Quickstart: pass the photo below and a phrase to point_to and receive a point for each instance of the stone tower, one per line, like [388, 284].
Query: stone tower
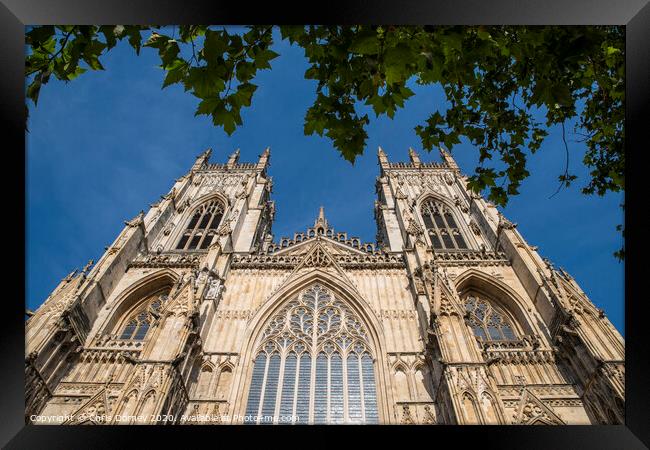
[196, 314]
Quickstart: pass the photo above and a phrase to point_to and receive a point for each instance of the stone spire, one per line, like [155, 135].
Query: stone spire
[321, 221]
[264, 158]
[383, 159]
[202, 159]
[414, 157]
[233, 159]
[447, 159]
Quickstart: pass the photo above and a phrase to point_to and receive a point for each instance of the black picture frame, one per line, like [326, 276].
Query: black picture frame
[634, 14]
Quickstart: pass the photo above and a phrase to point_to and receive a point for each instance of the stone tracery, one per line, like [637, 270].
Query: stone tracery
[487, 321]
[202, 226]
[138, 325]
[444, 232]
[310, 345]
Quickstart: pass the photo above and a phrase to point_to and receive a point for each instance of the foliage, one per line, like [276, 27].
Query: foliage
[494, 79]
[207, 72]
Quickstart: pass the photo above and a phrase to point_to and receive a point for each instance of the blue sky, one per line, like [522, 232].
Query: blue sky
[110, 143]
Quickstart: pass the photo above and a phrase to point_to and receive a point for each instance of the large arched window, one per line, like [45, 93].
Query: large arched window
[488, 322]
[314, 364]
[441, 226]
[202, 227]
[138, 324]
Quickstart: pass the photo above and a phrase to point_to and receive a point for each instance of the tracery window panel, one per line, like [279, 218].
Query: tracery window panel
[326, 371]
[137, 326]
[488, 322]
[255, 391]
[442, 228]
[202, 226]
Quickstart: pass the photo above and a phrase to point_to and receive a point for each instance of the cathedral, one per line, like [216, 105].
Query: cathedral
[196, 314]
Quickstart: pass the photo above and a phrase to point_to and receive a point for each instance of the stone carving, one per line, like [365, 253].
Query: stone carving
[399, 194]
[475, 229]
[505, 223]
[533, 411]
[418, 282]
[94, 411]
[166, 260]
[317, 258]
[214, 289]
[407, 418]
[414, 229]
[429, 418]
[136, 221]
[168, 229]
[460, 204]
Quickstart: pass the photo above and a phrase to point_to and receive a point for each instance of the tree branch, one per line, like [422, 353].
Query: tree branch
[566, 167]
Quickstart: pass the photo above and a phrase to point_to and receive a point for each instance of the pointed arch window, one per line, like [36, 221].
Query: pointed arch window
[488, 322]
[441, 226]
[202, 226]
[137, 326]
[314, 364]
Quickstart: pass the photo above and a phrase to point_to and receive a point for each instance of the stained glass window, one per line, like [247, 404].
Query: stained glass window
[202, 227]
[137, 326]
[320, 365]
[487, 321]
[441, 226]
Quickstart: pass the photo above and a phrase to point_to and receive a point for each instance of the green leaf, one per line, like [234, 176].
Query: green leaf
[203, 82]
[39, 35]
[227, 120]
[33, 90]
[292, 32]
[176, 72]
[396, 60]
[263, 57]
[215, 45]
[377, 103]
[366, 43]
[135, 38]
[74, 74]
[245, 71]
[210, 106]
[112, 34]
[483, 34]
[244, 94]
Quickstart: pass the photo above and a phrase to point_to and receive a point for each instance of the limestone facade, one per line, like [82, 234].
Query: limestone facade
[196, 315]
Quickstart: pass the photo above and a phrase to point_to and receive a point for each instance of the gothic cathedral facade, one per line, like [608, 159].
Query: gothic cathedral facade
[196, 315]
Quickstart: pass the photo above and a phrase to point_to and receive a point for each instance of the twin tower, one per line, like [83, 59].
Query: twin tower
[195, 314]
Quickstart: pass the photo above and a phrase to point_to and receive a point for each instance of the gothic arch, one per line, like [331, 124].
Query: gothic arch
[184, 217]
[399, 365]
[147, 406]
[503, 295]
[198, 365]
[422, 386]
[222, 383]
[225, 366]
[204, 381]
[130, 298]
[419, 201]
[127, 407]
[401, 385]
[342, 290]
[471, 414]
[491, 411]
[468, 235]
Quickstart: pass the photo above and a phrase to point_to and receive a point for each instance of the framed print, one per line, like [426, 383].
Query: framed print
[384, 219]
